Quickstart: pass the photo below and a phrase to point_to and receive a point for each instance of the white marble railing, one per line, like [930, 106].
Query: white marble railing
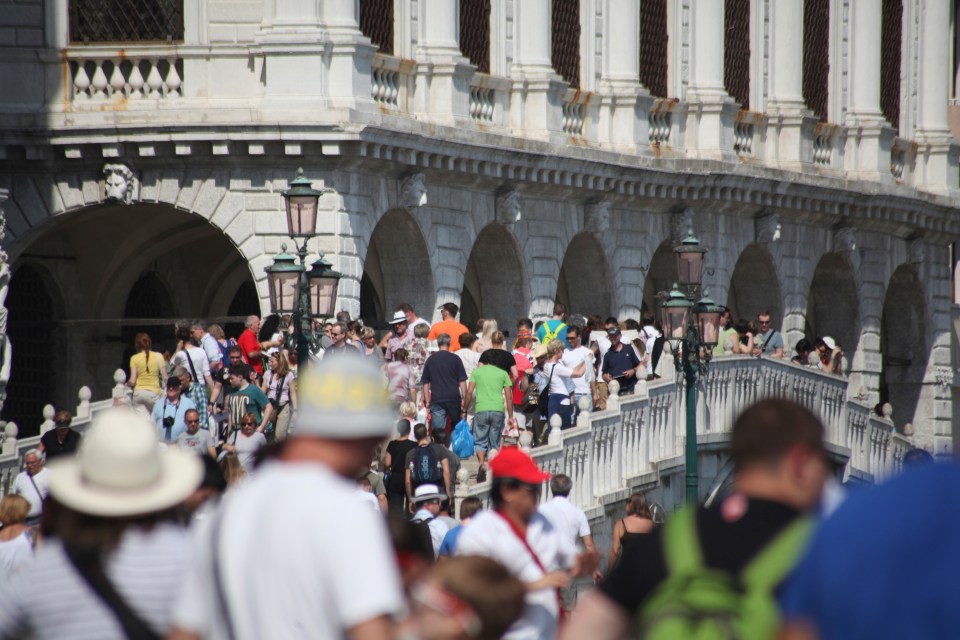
[824, 137]
[625, 447]
[102, 79]
[13, 447]
[660, 121]
[575, 112]
[390, 81]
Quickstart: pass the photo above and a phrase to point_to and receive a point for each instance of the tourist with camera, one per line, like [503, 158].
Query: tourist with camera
[170, 414]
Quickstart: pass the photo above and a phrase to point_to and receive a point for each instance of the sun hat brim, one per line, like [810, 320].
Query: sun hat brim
[180, 475]
[429, 496]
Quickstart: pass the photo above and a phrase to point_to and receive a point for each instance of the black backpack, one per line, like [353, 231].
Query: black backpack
[425, 467]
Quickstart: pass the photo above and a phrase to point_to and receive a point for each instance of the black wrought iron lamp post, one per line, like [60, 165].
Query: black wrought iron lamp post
[692, 338]
[307, 294]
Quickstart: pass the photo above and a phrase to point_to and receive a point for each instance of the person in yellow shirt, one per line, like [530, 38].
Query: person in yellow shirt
[148, 375]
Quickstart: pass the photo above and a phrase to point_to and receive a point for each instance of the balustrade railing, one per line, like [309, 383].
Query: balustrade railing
[823, 143]
[660, 121]
[390, 81]
[613, 450]
[102, 77]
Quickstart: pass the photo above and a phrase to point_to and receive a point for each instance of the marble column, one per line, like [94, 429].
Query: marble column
[712, 112]
[788, 117]
[937, 151]
[536, 103]
[624, 102]
[443, 73]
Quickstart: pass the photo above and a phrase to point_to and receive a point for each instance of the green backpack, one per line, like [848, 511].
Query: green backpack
[696, 602]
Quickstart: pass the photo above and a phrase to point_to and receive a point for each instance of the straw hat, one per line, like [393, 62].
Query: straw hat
[119, 470]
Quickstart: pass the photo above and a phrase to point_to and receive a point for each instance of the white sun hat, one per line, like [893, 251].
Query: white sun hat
[398, 317]
[120, 470]
[427, 492]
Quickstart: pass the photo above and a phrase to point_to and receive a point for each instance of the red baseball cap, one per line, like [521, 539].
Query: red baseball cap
[511, 462]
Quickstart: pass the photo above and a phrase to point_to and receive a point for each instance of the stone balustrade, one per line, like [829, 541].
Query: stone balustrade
[641, 442]
[13, 447]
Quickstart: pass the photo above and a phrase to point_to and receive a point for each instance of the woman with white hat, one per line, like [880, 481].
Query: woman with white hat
[114, 558]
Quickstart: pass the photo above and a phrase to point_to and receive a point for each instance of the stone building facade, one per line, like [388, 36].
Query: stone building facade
[495, 153]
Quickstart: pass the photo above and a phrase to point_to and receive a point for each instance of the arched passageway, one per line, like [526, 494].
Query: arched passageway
[832, 306]
[34, 313]
[903, 344]
[494, 285]
[121, 270]
[754, 287]
[396, 270]
[660, 276]
[585, 285]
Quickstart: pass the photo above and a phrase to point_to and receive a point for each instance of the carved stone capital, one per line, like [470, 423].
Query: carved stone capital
[413, 190]
[681, 221]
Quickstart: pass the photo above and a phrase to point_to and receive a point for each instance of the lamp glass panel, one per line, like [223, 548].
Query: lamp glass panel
[709, 322]
[323, 296]
[676, 322]
[689, 267]
[302, 216]
[283, 291]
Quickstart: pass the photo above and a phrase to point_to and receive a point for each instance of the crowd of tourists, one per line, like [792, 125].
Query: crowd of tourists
[230, 495]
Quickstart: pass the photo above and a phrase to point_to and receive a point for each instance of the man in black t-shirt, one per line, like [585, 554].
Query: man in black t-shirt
[62, 440]
[780, 468]
[444, 385]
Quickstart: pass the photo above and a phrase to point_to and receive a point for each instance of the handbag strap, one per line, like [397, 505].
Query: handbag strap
[88, 565]
[35, 487]
[193, 371]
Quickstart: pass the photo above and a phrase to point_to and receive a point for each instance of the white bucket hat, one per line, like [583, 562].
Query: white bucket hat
[343, 399]
[119, 470]
[426, 492]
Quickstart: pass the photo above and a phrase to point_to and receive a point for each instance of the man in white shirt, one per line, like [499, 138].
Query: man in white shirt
[292, 552]
[525, 542]
[32, 484]
[649, 335]
[586, 385]
[198, 330]
[427, 497]
[570, 521]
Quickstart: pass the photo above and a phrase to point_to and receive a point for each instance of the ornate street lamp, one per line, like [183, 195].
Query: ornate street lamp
[294, 289]
[692, 337]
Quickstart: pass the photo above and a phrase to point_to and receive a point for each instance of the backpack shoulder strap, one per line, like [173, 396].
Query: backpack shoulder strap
[680, 543]
[773, 562]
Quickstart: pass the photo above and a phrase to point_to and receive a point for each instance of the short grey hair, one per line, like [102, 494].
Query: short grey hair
[181, 371]
[34, 452]
[561, 485]
[443, 340]
[250, 321]
[422, 330]
[198, 324]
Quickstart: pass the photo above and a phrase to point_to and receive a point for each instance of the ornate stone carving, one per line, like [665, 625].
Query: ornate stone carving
[767, 228]
[508, 207]
[944, 378]
[413, 190]
[119, 182]
[845, 239]
[681, 221]
[917, 250]
[596, 217]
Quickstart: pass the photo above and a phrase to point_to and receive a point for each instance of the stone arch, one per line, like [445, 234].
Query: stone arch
[833, 304]
[495, 282]
[396, 269]
[755, 287]
[192, 257]
[661, 275]
[903, 344]
[585, 284]
[35, 309]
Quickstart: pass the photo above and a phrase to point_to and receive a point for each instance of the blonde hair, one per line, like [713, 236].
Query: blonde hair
[13, 510]
[489, 328]
[367, 332]
[408, 409]
[498, 338]
[232, 469]
[216, 331]
[555, 346]
[283, 366]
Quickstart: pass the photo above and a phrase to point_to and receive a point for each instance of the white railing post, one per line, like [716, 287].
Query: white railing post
[83, 408]
[48, 412]
[10, 432]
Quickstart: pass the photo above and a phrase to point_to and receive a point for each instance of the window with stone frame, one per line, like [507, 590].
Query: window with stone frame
[565, 38]
[475, 33]
[653, 46]
[891, 37]
[816, 56]
[736, 51]
[125, 21]
[376, 22]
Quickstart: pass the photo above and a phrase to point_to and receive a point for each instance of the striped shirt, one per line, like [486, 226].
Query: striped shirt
[49, 599]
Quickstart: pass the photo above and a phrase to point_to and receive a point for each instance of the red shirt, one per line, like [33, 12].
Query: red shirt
[523, 365]
[248, 344]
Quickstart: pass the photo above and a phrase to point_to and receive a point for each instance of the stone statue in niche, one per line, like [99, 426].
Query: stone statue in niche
[118, 182]
[413, 190]
[508, 207]
[681, 221]
[767, 228]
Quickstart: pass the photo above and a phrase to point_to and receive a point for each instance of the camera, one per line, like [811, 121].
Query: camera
[168, 422]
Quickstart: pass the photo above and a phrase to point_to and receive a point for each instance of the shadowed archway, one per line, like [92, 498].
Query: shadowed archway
[754, 287]
[585, 285]
[494, 285]
[903, 344]
[832, 306]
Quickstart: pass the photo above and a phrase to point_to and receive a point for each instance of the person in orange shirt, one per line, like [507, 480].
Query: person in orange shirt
[448, 325]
